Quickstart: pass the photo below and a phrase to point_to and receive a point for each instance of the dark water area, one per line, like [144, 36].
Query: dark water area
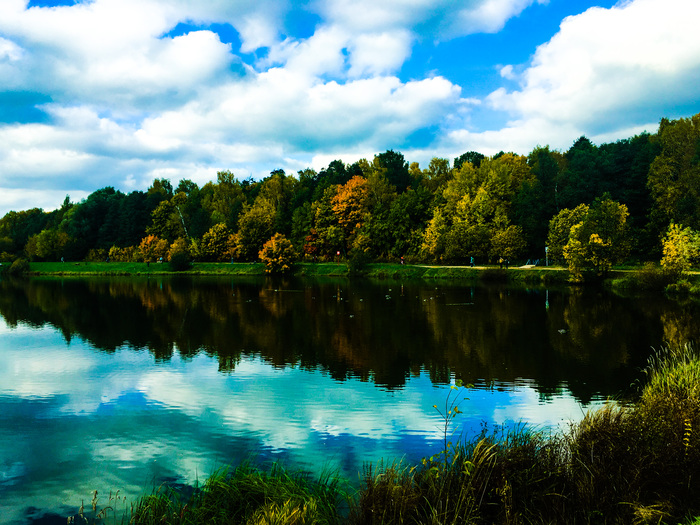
[124, 383]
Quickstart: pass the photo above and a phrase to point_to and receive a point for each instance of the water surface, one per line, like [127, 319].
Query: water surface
[124, 383]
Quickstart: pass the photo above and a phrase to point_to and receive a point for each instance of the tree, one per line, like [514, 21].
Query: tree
[255, 225]
[350, 206]
[674, 175]
[50, 245]
[214, 243]
[179, 255]
[278, 254]
[508, 243]
[536, 202]
[681, 248]
[599, 240]
[560, 228]
[153, 248]
[395, 168]
[225, 200]
[472, 157]
[580, 181]
[19, 226]
[166, 222]
[437, 175]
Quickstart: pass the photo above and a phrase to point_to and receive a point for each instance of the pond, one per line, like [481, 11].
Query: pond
[125, 383]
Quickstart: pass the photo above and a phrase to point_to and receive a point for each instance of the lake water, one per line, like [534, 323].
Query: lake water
[126, 383]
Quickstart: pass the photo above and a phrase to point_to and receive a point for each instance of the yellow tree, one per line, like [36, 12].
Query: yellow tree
[681, 247]
[278, 254]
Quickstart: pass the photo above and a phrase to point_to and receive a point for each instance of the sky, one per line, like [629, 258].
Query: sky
[97, 93]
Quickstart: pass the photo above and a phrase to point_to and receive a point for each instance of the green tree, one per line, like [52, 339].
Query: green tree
[51, 244]
[599, 240]
[255, 225]
[19, 226]
[225, 201]
[508, 243]
[437, 175]
[560, 229]
[674, 175]
[472, 157]
[395, 168]
[214, 243]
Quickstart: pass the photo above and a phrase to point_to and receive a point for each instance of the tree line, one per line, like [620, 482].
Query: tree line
[590, 206]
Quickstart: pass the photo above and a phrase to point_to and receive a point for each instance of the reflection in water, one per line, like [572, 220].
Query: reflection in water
[121, 383]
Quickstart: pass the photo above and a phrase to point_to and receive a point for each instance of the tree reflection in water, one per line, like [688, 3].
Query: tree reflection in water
[588, 341]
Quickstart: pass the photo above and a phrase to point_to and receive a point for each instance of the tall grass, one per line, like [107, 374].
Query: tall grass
[636, 463]
[249, 496]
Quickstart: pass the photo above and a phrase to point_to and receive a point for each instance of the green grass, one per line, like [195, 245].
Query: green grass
[244, 495]
[137, 268]
[380, 271]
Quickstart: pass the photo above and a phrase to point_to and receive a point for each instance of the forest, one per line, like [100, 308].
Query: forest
[598, 205]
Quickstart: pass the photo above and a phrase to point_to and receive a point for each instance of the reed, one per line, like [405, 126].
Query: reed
[250, 496]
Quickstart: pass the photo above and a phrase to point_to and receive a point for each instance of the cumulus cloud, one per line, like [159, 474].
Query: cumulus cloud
[436, 19]
[607, 70]
[119, 90]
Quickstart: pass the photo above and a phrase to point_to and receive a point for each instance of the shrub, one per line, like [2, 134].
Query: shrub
[278, 254]
[179, 261]
[19, 267]
[357, 261]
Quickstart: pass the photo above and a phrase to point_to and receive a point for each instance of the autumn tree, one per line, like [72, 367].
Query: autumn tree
[278, 254]
[153, 248]
[350, 206]
[681, 248]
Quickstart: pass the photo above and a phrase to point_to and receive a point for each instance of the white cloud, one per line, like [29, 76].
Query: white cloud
[9, 51]
[437, 19]
[127, 101]
[606, 66]
[379, 53]
[489, 16]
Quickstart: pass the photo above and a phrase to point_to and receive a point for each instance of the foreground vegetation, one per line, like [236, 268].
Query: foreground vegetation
[635, 462]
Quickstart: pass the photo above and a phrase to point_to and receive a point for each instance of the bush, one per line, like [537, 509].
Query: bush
[278, 254]
[357, 262]
[179, 262]
[19, 267]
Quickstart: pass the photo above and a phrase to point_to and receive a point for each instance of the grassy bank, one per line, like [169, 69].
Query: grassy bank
[633, 463]
[378, 271]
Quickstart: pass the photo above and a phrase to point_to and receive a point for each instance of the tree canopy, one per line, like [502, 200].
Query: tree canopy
[592, 205]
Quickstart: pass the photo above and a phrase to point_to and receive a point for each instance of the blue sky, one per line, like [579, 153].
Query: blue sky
[98, 93]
